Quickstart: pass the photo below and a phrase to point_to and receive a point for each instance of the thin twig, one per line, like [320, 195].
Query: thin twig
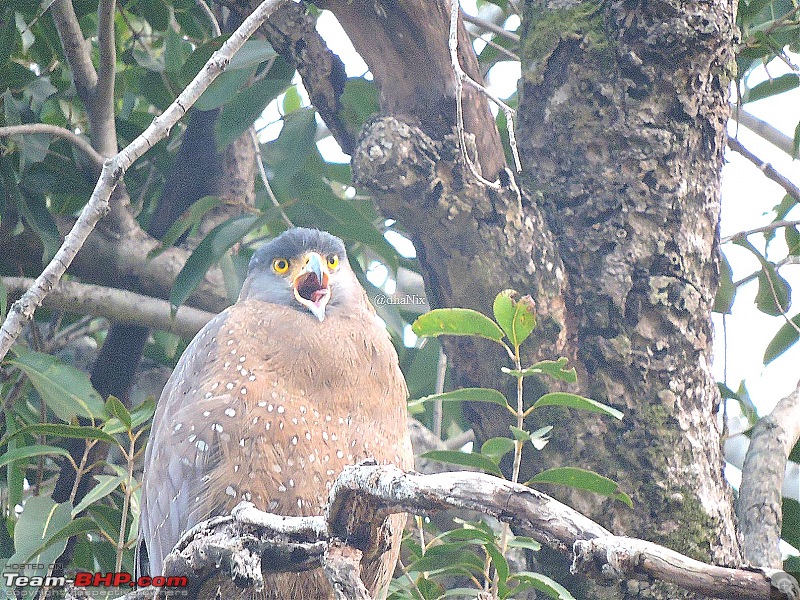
[479, 36]
[441, 371]
[113, 170]
[461, 77]
[768, 227]
[489, 26]
[212, 19]
[265, 180]
[76, 140]
[766, 168]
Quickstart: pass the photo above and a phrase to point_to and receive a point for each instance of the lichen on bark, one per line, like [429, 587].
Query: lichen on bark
[623, 115]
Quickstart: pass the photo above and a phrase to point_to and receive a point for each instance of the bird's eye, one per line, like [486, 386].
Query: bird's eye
[333, 261]
[280, 266]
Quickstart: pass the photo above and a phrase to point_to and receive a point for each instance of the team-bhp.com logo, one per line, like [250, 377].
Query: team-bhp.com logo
[85, 579]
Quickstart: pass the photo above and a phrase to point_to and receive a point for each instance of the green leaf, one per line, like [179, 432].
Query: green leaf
[243, 109]
[116, 408]
[519, 434]
[790, 528]
[65, 389]
[553, 368]
[218, 241]
[772, 87]
[464, 395]
[105, 485]
[517, 317]
[726, 293]
[541, 583]
[786, 337]
[574, 401]
[222, 89]
[176, 50]
[67, 431]
[41, 517]
[449, 558]
[143, 412]
[583, 480]
[465, 459]
[457, 321]
[496, 448]
[192, 218]
[3, 299]
[252, 54]
[288, 154]
[499, 561]
[360, 100]
[29, 452]
[528, 543]
[772, 287]
[82, 525]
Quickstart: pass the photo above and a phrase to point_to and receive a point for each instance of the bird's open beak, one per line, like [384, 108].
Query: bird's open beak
[311, 285]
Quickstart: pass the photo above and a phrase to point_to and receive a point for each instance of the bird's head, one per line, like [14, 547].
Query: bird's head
[305, 269]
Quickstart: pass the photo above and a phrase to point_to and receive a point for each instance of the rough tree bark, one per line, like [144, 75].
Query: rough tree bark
[623, 117]
[622, 129]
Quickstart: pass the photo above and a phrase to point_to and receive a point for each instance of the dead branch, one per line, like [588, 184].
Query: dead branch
[76, 140]
[766, 168]
[115, 168]
[759, 507]
[116, 305]
[618, 558]
[364, 495]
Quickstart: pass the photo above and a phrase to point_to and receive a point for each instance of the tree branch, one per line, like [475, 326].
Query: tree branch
[101, 117]
[76, 50]
[117, 305]
[615, 559]
[774, 136]
[341, 564]
[766, 168]
[76, 140]
[115, 168]
[364, 495]
[759, 507]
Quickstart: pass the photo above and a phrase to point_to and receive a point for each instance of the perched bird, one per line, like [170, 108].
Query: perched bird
[272, 399]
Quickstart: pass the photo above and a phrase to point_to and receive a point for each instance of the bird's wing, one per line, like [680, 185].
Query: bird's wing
[180, 451]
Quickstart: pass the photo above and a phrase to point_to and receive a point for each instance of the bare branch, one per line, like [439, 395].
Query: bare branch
[493, 27]
[618, 558]
[759, 507]
[774, 136]
[766, 168]
[101, 115]
[115, 168]
[76, 50]
[768, 227]
[364, 495]
[76, 140]
[117, 305]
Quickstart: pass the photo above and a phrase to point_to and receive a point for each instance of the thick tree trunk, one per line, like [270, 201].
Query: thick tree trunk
[622, 128]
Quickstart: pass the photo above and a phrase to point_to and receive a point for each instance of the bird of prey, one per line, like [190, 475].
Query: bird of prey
[271, 400]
